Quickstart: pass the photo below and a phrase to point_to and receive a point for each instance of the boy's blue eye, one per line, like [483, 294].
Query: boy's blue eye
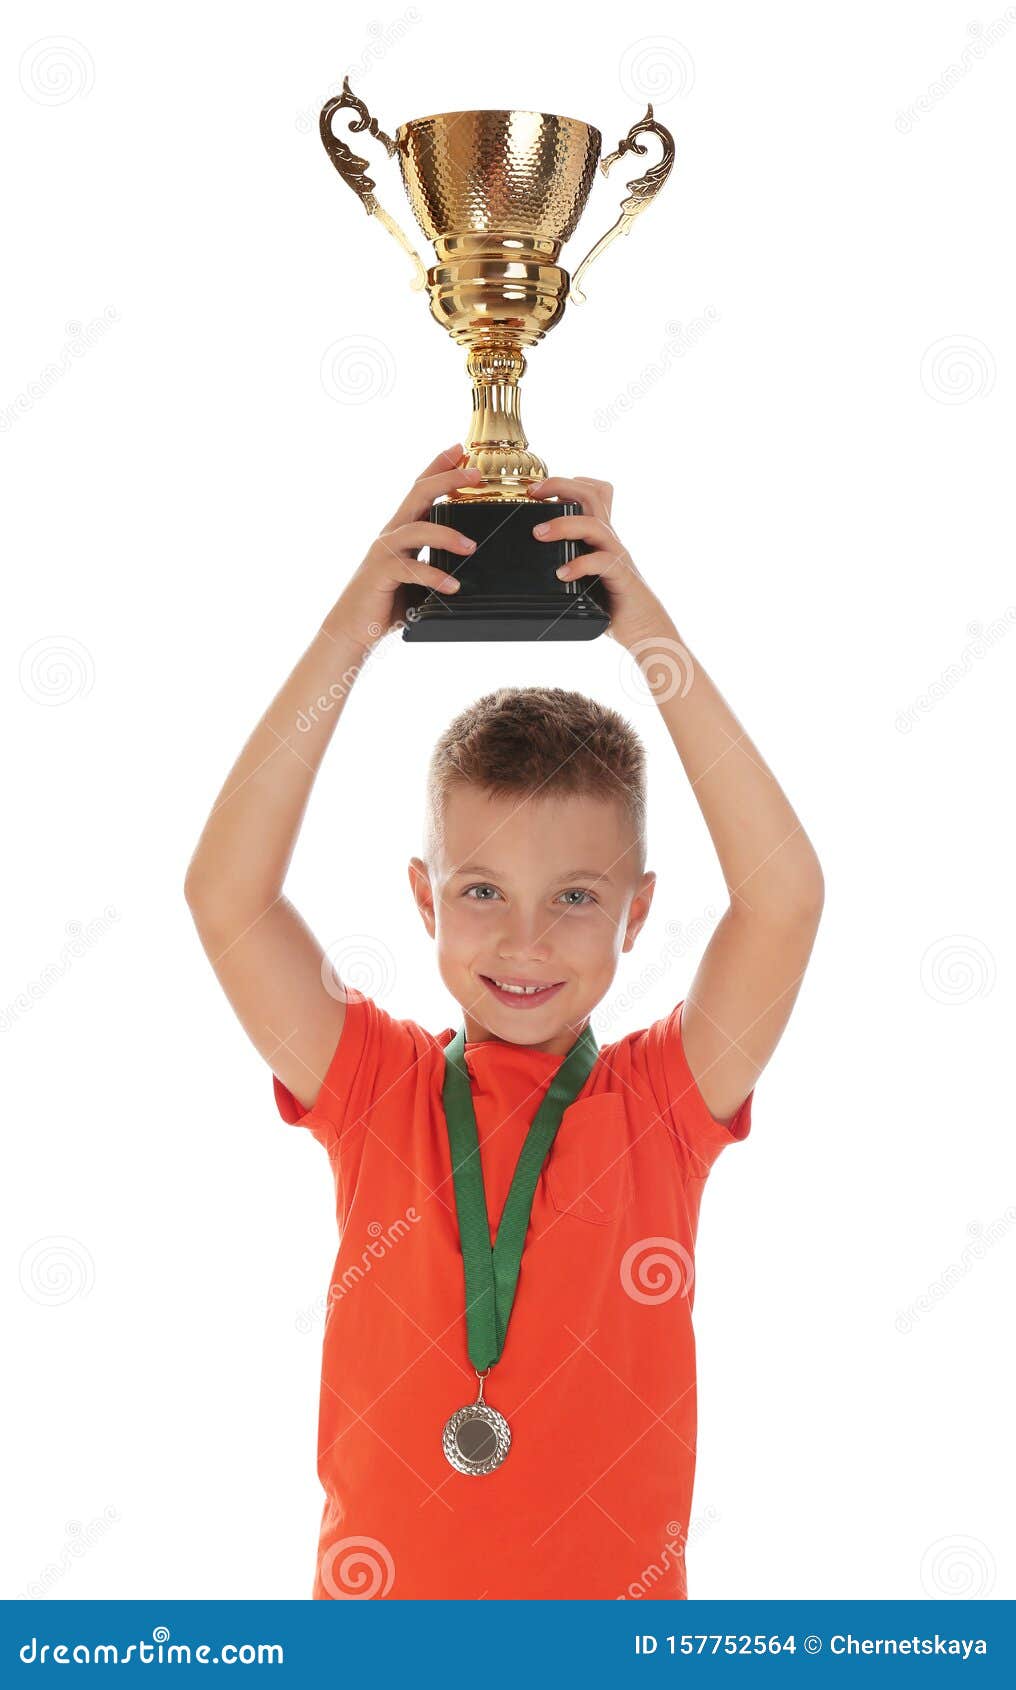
[471, 889]
[580, 893]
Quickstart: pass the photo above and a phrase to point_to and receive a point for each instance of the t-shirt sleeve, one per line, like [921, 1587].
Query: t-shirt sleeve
[698, 1137]
[373, 1051]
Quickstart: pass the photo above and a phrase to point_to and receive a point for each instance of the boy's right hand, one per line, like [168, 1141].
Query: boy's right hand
[366, 609]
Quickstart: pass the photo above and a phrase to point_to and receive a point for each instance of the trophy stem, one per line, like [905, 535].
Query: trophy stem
[496, 444]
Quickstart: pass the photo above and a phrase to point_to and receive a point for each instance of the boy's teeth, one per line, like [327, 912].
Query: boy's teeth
[504, 987]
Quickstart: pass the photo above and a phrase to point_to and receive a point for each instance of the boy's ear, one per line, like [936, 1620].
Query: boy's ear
[419, 880]
[639, 909]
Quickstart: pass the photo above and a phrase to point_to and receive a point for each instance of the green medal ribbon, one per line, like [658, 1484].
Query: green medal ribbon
[492, 1273]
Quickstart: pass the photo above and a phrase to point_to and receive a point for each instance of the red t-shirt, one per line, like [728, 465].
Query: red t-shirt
[597, 1375]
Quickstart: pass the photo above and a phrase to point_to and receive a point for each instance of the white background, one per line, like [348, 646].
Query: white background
[819, 486]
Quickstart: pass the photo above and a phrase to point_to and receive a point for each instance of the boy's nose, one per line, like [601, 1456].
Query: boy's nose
[525, 939]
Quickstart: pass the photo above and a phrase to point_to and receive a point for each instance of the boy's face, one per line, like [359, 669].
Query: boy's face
[533, 891]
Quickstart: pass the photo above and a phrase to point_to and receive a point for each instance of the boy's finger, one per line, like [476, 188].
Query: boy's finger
[411, 536]
[423, 493]
[593, 529]
[430, 487]
[583, 493]
[590, 563]
[447, 539]
[444, 460]
[425, 575]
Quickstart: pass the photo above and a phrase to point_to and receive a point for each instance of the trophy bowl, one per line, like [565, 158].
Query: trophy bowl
[499, 193]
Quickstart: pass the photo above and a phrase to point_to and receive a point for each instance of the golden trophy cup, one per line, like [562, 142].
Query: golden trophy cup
[499, 193]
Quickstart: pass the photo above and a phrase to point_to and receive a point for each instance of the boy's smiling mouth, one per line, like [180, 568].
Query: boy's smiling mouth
[521, 994]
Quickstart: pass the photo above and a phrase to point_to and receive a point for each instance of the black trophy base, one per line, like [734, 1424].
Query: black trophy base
[508, 590]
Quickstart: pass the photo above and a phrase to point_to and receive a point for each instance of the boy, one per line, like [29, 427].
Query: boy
[463, 1453]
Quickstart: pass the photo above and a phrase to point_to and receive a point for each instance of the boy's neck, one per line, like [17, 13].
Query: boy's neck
[559, 1044]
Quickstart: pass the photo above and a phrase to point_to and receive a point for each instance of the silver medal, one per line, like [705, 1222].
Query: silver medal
[476, 1438]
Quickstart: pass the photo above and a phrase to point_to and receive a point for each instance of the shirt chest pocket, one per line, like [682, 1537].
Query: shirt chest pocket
[589, 1170]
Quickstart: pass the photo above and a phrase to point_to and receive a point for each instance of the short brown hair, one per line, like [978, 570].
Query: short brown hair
[544, 740]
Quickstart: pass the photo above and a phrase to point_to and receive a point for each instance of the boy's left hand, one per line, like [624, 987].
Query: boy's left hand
[635, 611]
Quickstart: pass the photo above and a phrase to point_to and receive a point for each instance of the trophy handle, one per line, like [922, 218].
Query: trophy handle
[353, 170]
[643, 191]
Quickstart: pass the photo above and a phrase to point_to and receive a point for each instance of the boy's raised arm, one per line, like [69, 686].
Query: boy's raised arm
[265, 957]
[741, 998]
[751, 971]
